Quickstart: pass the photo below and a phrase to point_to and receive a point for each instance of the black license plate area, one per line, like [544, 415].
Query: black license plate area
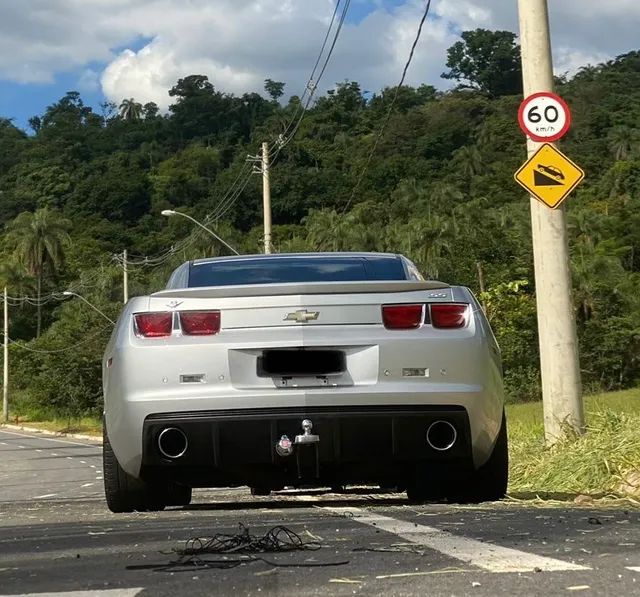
[289, 363]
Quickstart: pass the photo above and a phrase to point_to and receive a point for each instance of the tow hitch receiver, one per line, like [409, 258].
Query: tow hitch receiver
[305, 442]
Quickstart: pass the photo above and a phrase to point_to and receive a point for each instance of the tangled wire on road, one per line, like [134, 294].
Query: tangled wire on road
[279, 539]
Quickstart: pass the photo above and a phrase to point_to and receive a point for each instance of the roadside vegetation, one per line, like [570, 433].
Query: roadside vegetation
[83, 185]
[605, 462]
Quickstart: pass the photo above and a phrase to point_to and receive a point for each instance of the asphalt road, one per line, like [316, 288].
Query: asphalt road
[58, 538]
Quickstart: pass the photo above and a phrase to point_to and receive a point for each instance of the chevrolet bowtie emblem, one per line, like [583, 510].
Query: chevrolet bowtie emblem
[302, 316]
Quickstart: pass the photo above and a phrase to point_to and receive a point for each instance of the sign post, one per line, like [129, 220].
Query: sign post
[559, 361]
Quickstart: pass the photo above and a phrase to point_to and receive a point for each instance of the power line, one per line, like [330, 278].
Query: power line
[235, 190]
[23, 346]
[391, 106]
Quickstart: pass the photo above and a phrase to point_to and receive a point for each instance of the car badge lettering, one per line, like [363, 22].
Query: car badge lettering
[302, 316]
[174, 304]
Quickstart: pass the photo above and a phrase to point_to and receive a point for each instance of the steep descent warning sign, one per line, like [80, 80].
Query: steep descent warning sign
[550, 176]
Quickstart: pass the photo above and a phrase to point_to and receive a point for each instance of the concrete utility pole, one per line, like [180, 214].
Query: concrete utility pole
[266, 197]
[5, 362]
[125, 284]
[559, 360]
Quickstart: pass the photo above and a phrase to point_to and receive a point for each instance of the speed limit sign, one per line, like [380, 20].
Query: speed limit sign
[544, 117]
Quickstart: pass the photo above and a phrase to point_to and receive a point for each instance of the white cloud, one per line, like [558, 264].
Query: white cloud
[238, 43]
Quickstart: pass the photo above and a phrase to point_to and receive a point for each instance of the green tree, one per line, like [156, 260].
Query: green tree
[624, 142]
[38, 240]
[130, 110]
[488, 61]
[275, 89]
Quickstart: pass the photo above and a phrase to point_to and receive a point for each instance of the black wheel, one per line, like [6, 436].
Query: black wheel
[260, 491]
[489, 483]
[124, 493]
[178, 495]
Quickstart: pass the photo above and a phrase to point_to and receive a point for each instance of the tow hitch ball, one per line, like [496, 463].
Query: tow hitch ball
[285, 447]
[307, 437]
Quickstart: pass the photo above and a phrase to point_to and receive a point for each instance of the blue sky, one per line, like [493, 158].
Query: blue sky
[20, 101]
[139, 48]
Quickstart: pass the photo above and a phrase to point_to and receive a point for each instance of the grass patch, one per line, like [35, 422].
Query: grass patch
[603, 462]
[84, 426]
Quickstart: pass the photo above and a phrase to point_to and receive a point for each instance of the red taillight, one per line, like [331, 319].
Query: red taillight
[200, 323]
[449, 316]
[402, 317]
[154, 325]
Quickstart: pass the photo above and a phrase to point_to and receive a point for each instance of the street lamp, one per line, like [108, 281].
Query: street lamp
[171, 212]
[69, 293]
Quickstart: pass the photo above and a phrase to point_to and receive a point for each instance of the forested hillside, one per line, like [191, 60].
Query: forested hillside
[82, 186]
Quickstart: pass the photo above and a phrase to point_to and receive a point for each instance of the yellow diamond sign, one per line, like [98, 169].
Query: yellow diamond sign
[550, 176]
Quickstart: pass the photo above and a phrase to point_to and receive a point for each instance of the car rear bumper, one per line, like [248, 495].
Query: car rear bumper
[381, 444]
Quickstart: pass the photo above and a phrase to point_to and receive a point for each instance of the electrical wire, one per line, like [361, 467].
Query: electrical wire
[23, 346]
[391, 106]
[279, 539]
[233, 193]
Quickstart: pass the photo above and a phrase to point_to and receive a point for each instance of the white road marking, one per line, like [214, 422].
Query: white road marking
[83, 462]
[50, 439]
[37, 450]
[487, 556]
[634, 568]
[54, 454]
[98, 593]
[87, 485]
[69, 457]
[46, 495]
[21, 447]
[3, 443]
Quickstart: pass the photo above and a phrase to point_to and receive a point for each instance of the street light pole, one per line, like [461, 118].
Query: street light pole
[125, 281]
[171, 212]
[69, 293]
[559, 360]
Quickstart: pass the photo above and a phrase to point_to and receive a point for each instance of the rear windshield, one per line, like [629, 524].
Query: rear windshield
[283, 270]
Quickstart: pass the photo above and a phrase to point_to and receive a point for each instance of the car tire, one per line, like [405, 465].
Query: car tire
[489, 483]
[260, 491]
[124, 493]
[178, 495]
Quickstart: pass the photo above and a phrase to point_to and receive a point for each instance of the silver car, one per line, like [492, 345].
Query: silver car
[319, 369]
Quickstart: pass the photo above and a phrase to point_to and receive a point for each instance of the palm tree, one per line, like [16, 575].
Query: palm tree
[623, 141]
[16, 279]
[130, 110]
[468, 161]
[38, 241]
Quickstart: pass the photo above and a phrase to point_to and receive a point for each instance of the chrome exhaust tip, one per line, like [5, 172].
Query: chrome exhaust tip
[441, 435]
[172, 443]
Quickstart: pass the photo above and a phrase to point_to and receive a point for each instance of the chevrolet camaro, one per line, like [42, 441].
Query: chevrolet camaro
[299, 370]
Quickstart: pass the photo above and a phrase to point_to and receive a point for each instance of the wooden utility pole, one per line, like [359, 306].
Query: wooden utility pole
[125, 284]
[266, 197]
[559, 360]
[5, 362]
